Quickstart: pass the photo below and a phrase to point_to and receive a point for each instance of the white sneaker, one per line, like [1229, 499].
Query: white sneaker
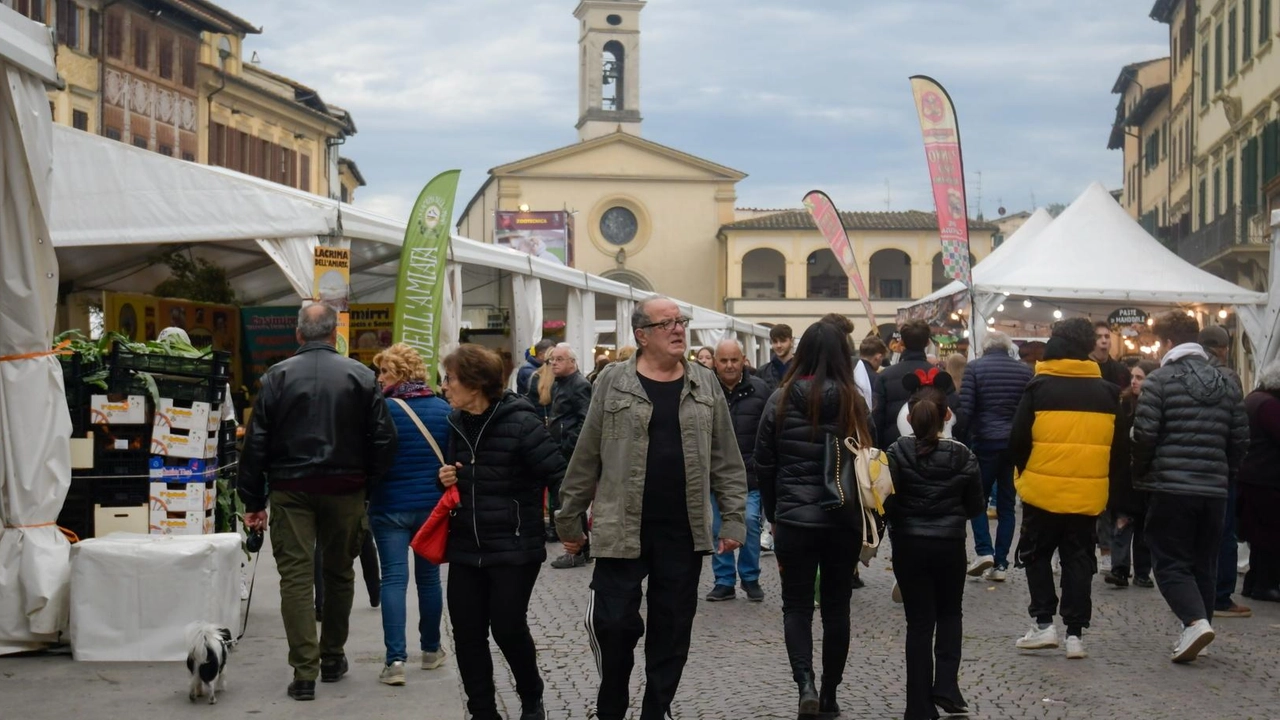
[980, 564]
[1037, 639]
[896, 593]
[392, 674]
[1194, 639]
[995, 574]
[766, 541]
[1104, 563]
[1075, 648]
[433, 660]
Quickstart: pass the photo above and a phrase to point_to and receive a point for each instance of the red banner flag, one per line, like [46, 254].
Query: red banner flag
[829, 224]
[946, 172]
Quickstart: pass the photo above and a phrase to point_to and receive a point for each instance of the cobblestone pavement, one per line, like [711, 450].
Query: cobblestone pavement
[738, 666]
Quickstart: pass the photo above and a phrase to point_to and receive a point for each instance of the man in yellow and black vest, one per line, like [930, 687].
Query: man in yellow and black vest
[1061, 448]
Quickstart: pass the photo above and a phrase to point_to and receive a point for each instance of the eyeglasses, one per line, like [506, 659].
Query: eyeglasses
[669, 324]
[445, 379]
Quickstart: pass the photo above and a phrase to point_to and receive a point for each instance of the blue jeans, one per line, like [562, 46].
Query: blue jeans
[748, 565]
[997, 472]
[392, 532]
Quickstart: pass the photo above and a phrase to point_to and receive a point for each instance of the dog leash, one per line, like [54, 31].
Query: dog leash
[253, 577]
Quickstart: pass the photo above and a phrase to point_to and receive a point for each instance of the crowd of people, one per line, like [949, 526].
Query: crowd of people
[656, 459]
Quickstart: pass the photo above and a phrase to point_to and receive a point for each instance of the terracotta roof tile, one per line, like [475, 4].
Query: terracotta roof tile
[802, 220]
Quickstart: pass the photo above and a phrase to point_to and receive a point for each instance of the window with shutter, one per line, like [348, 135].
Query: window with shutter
[142, 49]
[1264, 22]
[80, 120]
[115, 35]
[1231, 184]
[95, 33]
[246, 148]
[1246, 29]
[61, 22]
[1202, 77]
[188, 64]
[305, 173]
[1217, 57]
[164, 55]
[1249, 177]
[1232, 43]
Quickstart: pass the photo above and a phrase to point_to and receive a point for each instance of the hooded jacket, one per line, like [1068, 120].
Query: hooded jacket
[506, 467]
[1190, 431]
[1060, 443]
[934, 495]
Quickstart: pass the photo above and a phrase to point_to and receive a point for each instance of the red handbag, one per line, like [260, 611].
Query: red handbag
[430, 540]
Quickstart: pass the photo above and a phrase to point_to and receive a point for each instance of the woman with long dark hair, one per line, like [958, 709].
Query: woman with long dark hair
[816, 402]
[937, 488]
[1128, 505]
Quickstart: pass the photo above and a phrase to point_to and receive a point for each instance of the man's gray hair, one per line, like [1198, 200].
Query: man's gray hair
[567, 348]
[733, 340]
[1269, 377]
[640, 315]
[998, 341]
[317, 322]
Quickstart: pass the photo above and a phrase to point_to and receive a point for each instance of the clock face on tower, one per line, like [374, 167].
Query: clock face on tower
[618, 225]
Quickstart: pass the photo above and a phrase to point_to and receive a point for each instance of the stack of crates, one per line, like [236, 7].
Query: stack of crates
[77, 510]
[182, 453]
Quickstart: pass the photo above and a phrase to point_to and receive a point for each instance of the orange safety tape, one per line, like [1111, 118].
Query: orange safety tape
[60, 349]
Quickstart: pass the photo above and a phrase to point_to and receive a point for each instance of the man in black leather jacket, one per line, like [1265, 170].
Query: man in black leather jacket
[319, 436]
[570, 398]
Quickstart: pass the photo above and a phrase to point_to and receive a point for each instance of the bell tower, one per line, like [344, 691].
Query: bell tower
[608, 67]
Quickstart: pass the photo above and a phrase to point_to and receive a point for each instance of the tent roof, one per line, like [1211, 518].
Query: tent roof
[1095, 251]
[26, 45]
[1038, 221]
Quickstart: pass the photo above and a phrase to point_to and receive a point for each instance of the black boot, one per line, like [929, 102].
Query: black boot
[827, 705]
[808, 696]
[532, 710]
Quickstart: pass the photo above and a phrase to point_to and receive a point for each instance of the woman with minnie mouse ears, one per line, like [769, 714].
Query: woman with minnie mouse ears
[937, 488]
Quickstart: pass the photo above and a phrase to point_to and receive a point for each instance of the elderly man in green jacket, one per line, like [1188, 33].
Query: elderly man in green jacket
[657, 445]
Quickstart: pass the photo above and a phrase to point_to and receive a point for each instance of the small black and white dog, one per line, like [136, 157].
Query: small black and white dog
[207, 659]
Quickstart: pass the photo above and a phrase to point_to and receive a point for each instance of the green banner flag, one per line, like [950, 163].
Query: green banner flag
[420, 290]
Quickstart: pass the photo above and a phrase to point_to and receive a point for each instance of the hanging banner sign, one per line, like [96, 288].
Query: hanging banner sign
[946, 173]
[420, 290]
[828, 220]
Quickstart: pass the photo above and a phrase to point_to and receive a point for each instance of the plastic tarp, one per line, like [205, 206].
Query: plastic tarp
[132, 596]
[580, 325]
[526, 315]
[35, 464]
[1261, 323]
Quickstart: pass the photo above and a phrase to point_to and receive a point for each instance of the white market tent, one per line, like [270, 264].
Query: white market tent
[35, 464]
[1095, 257]
[116, 207]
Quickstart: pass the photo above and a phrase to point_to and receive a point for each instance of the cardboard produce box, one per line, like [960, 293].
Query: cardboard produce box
[123, 410]
[165, 469]
[182, 497]
[181, 523]
[194, 444]
[187, 415]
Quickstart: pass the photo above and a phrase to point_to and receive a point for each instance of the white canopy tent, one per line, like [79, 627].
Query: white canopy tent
[117, 207]
[35, 465]
[1092, 258]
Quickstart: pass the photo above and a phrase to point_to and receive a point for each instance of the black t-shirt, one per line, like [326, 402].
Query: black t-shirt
[664, 483]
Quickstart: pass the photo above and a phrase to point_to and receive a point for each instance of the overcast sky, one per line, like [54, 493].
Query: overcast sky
[797, 95]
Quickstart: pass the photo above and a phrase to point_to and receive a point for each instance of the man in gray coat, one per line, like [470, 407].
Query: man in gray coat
[657, 446]
[1190, 434]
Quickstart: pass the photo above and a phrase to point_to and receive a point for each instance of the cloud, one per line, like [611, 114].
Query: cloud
[797, 95]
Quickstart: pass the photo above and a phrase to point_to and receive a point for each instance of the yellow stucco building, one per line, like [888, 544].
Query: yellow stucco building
[664, 220]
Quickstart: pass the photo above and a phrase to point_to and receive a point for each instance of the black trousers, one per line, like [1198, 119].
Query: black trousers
[614, 625]
[801, 552]
[1130, 541]
[1074, 538]
[1264, 571]
[497, 599]
[1185, 535]
[930, 573]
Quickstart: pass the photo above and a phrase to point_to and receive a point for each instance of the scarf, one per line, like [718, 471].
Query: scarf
[408, 389]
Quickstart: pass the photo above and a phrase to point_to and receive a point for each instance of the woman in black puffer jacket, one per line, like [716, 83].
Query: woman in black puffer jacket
[816, 401]
[503, 461]
[937, 488]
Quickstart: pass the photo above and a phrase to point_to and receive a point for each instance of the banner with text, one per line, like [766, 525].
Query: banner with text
[827, 217]
[420, 290]
[546, 235]
[372, 325]
[946, 172]
[332, 286]
[269, 337]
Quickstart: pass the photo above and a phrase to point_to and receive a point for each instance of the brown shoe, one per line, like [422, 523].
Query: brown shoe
[1235, 611]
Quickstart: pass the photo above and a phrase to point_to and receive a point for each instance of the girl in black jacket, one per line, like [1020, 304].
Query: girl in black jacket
[816, 401]
[937, 488]
[503, 461]
[1126, 504]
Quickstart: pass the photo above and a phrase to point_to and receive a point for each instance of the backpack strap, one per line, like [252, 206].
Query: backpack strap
[421, 428]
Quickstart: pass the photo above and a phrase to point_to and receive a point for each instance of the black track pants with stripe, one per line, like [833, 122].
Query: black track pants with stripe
[614, 625]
